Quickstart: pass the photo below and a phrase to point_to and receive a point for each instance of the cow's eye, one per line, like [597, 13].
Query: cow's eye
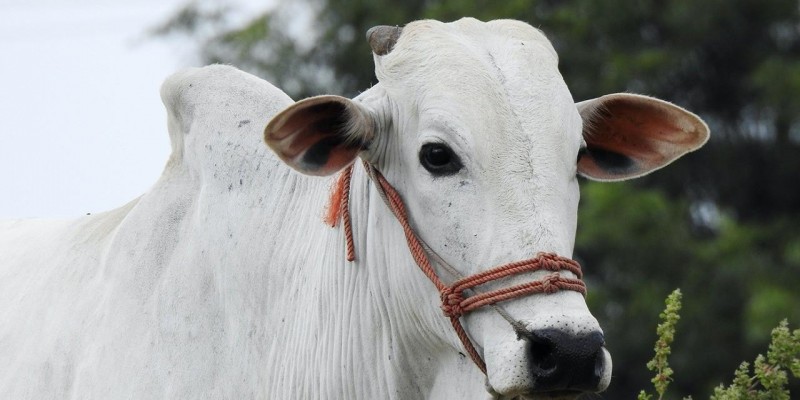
[439, 159]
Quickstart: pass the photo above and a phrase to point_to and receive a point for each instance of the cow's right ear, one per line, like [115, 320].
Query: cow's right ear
[320, 135]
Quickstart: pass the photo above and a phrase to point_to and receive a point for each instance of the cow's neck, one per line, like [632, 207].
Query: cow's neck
[368, 333]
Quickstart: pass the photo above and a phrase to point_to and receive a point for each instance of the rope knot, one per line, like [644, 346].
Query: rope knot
[549, 262]
[551, 283]
[451, 302]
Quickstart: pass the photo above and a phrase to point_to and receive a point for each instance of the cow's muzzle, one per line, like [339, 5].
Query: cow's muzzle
[560, 361]
[553, 363]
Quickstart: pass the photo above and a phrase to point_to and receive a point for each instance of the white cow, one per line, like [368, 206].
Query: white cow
[222, 282]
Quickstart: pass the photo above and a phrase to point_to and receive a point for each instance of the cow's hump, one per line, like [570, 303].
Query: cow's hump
[216, 113]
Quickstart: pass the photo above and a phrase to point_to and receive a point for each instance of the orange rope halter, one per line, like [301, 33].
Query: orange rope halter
[454, 302]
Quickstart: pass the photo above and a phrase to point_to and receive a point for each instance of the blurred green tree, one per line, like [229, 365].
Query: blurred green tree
[721, 223]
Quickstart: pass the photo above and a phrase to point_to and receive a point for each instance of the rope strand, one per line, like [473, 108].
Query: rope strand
[344, 206]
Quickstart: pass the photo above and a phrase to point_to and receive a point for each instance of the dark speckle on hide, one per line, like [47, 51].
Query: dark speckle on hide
[240, 182]
[230, 187]
[243, 123]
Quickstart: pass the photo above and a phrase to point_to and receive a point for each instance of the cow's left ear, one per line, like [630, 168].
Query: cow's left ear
[629, 135]
[320, 135]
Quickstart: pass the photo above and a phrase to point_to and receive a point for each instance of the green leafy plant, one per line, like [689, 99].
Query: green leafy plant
[666, 334]
[766, 381]
[769, 376]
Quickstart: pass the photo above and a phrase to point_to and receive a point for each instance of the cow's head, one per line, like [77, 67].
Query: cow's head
[475, 127]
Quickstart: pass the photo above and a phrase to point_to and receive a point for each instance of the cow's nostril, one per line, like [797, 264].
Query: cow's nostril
[563, 361]
[542, 358]
[599, 365]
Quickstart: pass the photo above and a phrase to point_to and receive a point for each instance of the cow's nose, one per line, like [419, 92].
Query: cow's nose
[564, 361]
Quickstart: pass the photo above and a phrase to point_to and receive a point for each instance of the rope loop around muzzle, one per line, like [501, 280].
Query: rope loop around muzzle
[549, 284]
[461, 296]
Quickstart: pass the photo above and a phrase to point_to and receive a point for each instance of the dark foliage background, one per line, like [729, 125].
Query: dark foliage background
[721, 224]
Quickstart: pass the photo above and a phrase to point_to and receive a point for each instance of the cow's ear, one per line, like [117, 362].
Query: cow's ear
[629, 135]
[320, 135]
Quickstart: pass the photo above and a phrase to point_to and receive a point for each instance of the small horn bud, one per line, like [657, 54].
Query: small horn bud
[383, 38]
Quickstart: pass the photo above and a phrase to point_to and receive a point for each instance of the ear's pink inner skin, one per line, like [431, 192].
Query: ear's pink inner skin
[310, 125]
[649, 134]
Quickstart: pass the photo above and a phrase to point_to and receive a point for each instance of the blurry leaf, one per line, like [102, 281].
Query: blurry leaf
[768, 305]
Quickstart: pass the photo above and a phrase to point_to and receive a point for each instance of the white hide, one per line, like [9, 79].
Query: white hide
[222, 281]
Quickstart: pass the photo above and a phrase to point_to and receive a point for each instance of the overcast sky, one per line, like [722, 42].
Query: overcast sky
[82, 127]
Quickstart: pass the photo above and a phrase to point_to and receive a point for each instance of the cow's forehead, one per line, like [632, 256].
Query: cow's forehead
[497, 78]
[428, 51]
